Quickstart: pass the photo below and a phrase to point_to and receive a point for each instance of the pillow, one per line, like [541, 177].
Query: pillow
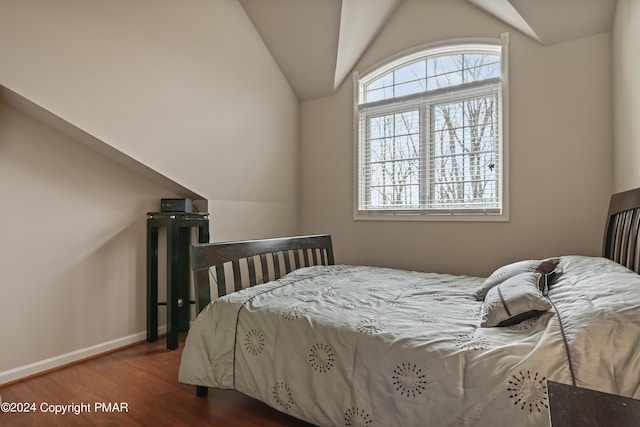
[514, 300]
[503, 273]
[546, 268]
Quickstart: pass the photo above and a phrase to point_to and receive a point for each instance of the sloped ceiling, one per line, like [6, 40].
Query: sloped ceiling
[553, 21]
[316, 43]
[25, 106]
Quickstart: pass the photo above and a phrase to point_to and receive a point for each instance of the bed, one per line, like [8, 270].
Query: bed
[363, 346]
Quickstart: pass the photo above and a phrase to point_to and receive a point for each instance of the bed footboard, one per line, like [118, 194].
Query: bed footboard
[251, 262]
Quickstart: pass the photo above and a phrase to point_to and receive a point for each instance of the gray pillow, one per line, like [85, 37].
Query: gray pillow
[514, 300]
[505, 272]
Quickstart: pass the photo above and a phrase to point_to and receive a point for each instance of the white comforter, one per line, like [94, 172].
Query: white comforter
[348, 345]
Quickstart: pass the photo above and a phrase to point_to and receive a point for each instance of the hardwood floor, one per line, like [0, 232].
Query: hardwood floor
[142, 381]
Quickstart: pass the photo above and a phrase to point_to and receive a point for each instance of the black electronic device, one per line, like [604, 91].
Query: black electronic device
[176, 205]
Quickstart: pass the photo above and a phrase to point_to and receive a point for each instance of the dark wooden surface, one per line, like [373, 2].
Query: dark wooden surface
[572, 406]
[144, 377]
[178, 226]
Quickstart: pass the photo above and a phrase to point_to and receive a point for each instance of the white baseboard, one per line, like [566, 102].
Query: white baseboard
[65, 359]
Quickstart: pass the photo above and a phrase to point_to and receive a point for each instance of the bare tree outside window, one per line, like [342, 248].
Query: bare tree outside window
[431, 137]
[395, 159]
[464, 135]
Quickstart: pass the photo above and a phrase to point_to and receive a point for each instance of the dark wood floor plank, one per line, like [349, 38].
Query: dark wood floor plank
[144, 377]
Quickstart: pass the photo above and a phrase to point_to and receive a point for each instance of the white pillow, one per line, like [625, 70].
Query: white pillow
[505, 272]
[514, 300]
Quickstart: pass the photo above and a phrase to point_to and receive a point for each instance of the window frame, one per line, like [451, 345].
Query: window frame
[405, 58]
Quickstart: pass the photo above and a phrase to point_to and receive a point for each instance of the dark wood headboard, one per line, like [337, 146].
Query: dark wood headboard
[251, 262]
[621, 232]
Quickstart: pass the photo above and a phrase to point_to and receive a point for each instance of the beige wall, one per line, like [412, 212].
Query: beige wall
[186, 88]
[73, 243]
[560, 143]
[626, 95]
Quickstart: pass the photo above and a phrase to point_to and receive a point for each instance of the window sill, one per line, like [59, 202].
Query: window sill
[439, 217]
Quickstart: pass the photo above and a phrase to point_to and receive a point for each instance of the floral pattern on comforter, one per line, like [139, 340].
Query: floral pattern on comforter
[367, 346]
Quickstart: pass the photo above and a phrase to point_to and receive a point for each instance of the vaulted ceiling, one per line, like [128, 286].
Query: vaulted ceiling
[316, 43]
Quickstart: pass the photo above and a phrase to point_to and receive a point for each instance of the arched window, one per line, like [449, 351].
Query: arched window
[430, 134]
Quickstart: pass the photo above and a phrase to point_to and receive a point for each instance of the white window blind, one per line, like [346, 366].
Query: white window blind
[430, 138]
